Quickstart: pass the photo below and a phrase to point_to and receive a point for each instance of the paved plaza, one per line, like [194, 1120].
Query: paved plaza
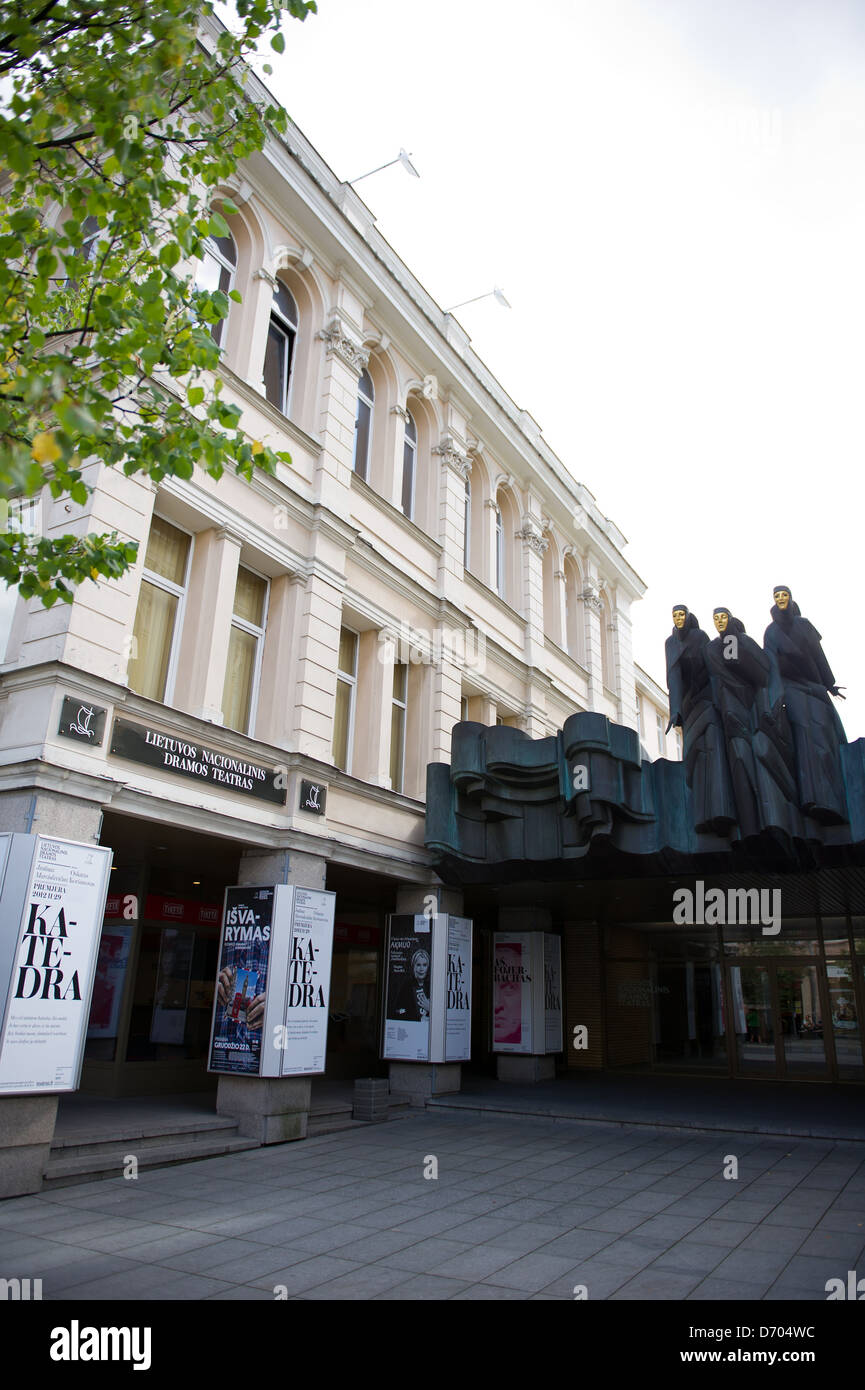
[522, 1208]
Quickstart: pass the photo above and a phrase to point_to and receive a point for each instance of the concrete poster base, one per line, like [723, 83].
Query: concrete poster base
[271, 1110]
[512, 1067]
[26, 1132]
[417, 1082]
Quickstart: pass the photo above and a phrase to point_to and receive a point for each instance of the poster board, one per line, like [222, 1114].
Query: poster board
[270, 1008]
[527, 993]
[52, 903]
[428, 988]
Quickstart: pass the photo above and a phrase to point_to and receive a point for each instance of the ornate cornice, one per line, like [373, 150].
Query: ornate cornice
[453, 456]
[340, 345]
[401, 411]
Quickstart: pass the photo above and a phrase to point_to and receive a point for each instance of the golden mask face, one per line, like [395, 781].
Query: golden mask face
[782, 598]
[721, 621]
[679, 616]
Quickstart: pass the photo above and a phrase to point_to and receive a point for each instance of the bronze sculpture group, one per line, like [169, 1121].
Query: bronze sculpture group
[761, 737]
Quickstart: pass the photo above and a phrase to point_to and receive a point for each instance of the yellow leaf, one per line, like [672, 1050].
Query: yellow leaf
[257, 447]
[94, 574]
[45, 448]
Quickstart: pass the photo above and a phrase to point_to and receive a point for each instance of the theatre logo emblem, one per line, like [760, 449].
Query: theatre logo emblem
[77, 1343]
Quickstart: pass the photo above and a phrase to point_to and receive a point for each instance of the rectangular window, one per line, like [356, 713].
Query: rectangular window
[277, 364]
[464, 708]
[244, 651]
[343, 715]
[408, 467]
[659, 722]
[362, 432]
[397, 726]
[641, 718]
[160, 603]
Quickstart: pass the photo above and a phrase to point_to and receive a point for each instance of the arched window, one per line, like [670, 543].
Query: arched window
[90, 233]
[363, 425]
[500, 553]
[279, 353]
[216, 272]
[409, 466]
[467, 542]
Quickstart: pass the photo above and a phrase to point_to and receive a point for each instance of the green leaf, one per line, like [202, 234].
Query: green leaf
[277, 43]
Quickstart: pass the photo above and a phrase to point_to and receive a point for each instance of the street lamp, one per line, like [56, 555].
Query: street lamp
[402, 158]
[496, 294]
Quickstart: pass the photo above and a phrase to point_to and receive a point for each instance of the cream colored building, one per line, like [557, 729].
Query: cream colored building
[426, 558]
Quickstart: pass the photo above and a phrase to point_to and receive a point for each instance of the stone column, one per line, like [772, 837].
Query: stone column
[345, 359]
[623, 661]
[456, 468]
[417, 1082]
[593, 608]
[27, 1122]
[524, 1067]
[272, 1109]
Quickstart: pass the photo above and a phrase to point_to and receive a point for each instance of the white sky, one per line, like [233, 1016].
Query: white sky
[670, 193]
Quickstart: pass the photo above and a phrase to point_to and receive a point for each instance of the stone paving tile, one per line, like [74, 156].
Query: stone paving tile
[305, 1274]
[657, 1284]
[752, 1266]
[691, 1256]
[726, 1233]
[813, 1271]
[426, 1255]
[425, 1287]
[726, 1291]
[521, 1238]
[448, 1220]
[579, 1245]
[531, 1272]
[241, 1293]
[360, 1285]
[489, 1293]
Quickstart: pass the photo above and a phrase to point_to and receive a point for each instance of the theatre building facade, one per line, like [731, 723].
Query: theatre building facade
[257, 700]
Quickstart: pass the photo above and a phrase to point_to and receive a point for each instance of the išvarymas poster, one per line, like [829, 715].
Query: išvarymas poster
[242, 981]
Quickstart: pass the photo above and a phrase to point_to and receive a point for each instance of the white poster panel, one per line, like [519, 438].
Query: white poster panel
[309, 960]
[513, 979]
[408, 988]
[458, 999]
[552, 993]
[58, 926]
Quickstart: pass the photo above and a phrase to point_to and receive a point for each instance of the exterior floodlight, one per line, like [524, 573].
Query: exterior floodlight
[402, 158]
[496, 294]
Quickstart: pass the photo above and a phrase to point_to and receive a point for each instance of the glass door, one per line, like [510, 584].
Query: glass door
[801, 1021]
[753, 1020]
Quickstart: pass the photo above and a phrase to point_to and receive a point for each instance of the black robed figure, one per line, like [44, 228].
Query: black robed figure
[692, 709]
[759, 746]
[801, 676]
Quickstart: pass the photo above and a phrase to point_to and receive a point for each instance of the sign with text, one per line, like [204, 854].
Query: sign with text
[186, 758]
[428, 1008]
[242, 977]
[52, 902]
[408, 990]
[527, 992]
[309, 958]
[271, 1007]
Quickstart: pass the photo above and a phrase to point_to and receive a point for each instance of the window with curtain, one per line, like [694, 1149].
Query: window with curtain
[409, 467]
[240, 691]
[346, 683]
[363, 425]
[216, 272]
[279, 352]
[500, 553]
[397, 726]
[157, 618]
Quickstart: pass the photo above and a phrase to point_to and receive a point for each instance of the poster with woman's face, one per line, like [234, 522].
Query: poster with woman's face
[409, 994]
[512, 992]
